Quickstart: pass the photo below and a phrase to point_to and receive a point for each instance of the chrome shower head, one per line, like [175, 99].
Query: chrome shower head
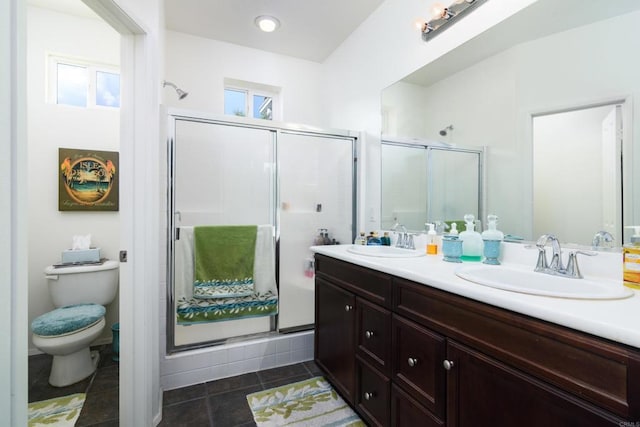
[181, 94]
[443, 132]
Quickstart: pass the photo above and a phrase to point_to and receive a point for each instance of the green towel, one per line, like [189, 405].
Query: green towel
[224, 258]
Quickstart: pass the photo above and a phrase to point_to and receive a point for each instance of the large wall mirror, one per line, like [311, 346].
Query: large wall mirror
[549, 92]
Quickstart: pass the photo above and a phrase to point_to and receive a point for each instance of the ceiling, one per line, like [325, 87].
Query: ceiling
[309, 30]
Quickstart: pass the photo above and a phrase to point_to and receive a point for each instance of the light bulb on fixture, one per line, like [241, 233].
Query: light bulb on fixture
[267, 24]
[439, 11]
[419, 24]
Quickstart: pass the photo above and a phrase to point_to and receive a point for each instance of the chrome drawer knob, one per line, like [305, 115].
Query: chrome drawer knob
[348, 307]
[369, 396]
[448, 364]
[412, 361]
[368, 334]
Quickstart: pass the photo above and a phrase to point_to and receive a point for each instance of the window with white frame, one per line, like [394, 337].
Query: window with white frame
[253, 100]
[82, 83]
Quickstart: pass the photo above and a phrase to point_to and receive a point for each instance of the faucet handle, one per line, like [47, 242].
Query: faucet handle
[572, 269]
[409, 244]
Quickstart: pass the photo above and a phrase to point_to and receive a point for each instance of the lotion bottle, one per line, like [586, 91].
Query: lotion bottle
[472, 244]
[454, 229]
[631, 259]
[432, 242]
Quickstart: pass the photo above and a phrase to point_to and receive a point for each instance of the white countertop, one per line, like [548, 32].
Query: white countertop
[617, 320]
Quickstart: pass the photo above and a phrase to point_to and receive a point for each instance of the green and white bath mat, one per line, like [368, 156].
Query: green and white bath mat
[306, 403]
[57, 412]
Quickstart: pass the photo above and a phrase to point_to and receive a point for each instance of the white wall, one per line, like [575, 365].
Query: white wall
[199, 66]
[52, 126]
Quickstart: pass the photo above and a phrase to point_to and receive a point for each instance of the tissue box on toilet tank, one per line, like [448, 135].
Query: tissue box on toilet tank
[73, 256]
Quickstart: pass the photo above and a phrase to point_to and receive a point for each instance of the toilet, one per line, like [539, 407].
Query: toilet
[80, 294]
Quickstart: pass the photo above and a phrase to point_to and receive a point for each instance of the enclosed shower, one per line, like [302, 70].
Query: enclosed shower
[287, 182]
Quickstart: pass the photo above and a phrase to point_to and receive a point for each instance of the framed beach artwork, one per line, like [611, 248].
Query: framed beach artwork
[87, 180]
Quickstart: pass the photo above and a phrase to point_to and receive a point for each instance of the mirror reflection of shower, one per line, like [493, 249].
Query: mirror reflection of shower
[443, 132]
[181, 93]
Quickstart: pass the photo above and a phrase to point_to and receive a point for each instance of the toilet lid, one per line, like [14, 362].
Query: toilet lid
[67, 319]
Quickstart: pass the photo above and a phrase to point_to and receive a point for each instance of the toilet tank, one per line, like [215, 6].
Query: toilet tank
[79, 284]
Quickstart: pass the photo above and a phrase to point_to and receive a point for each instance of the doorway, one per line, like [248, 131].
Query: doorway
[577, 173]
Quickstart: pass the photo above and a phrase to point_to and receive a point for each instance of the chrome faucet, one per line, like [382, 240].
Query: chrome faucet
[555, 267]
[602, 239]
[405, 240]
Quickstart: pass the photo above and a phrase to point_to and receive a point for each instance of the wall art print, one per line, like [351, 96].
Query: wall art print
[88, 180]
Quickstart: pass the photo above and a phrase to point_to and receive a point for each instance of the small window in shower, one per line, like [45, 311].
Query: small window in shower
[252, 100]
[83, 84]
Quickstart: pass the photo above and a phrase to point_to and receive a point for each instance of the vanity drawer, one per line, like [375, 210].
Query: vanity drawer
[373, 326]
[591, 368]
[417, 363]
[367, 283]
[374, 392]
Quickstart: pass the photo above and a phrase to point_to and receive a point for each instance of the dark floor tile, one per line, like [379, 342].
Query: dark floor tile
[42, 390]
[106, 378]
[106, 356]
[231, 409]
[313, 368]
[39, 367]
[233, 383]
[193, 413]
[282, 372]
[184, 394]
[100, 406]
[285, 381]
[110, 423]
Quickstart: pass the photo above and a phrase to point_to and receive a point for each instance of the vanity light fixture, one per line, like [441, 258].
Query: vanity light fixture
[443, 16]
[267, 23]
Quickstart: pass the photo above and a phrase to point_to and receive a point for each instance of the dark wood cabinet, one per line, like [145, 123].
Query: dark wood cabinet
[406, 354]
[335, 336]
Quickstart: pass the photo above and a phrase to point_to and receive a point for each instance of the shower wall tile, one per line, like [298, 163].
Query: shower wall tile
[195, 367]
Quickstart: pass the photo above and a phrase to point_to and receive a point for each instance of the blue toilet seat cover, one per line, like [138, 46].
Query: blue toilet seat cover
[67, 319]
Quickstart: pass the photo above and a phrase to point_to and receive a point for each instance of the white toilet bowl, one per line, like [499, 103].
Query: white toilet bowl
[80, 293]
[72, 359]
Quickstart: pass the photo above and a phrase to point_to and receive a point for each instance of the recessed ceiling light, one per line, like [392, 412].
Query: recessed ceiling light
[267, 23]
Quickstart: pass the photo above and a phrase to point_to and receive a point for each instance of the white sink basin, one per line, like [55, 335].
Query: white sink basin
[531, 282]
[384, 251]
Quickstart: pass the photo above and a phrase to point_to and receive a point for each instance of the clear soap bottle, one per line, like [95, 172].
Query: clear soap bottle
[492, 239]
[471, 241]
[432, 240]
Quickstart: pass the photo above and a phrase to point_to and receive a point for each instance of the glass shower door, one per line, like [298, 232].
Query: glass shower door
[222, 175]
[316, 192]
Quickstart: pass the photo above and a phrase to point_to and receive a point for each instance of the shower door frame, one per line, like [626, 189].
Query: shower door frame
[174, 115]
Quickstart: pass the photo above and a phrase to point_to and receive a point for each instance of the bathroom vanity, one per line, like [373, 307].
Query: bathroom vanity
[407, 343]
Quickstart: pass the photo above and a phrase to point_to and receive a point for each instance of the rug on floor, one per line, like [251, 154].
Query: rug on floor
[306, 403]
[57, 412]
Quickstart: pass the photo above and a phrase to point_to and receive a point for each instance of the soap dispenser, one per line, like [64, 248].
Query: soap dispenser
[454, 229]
[492, 238]
[471, 241]
[631, 259]
[432, 240]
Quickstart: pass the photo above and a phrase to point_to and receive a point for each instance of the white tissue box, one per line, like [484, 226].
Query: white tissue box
[71, 256]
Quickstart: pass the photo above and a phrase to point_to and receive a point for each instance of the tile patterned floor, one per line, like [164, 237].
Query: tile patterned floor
[220, 403]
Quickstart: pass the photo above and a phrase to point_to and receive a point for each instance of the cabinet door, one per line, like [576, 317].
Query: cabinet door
[417, 363]
[407, 412]
[335, 336]
[372, 400]
[373, 326]
[482, 391]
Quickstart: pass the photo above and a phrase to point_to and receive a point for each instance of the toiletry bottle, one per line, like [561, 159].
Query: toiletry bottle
[454, 229]
[360, 240]
[319, 240]
[432, 244]
[374, 240]
[492, 239]
[631, 259]
[471, 241]
[386, 240]
[325, 237]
